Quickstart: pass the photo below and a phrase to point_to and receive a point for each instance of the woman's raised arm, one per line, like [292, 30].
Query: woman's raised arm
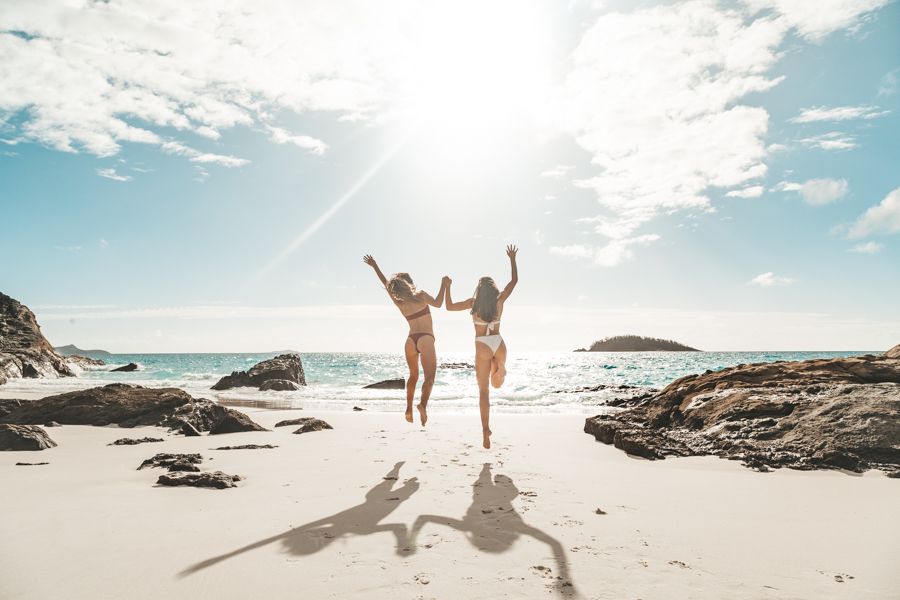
[371, 262]
[451, 305]
[435, 302]
[514, 279]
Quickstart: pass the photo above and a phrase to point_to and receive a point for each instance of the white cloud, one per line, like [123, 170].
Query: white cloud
[816, 19]
[817, 192]
[612, 254]
[557, 171]
[111, 174]
[838, 113]
[202, 157]
[103, 243]
[833, 140]
[867, 248]
[281, 136]
[770, 279]
[884, 217]
[754, 191]
[889, 83]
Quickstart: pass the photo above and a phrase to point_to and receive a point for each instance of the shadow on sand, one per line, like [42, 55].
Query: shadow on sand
[362, 519]
[491, 524]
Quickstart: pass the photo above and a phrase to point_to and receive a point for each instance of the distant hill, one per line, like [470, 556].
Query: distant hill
[636, 343]
[71, 349]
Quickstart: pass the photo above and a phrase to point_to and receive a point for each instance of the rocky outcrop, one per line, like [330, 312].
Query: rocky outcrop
[839, 413]
[83, 362]
[24, 437]
[7, 405]
[173, 462]
[125, 368]
[278, 385]
[893, 352]
[132, 406]
[283, 367]
[24, 351]
[214, 479]
[387, 384]
[313, 425]
[135, 441]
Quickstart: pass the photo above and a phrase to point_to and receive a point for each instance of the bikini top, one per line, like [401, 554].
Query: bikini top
[421, 313]
[490, 325]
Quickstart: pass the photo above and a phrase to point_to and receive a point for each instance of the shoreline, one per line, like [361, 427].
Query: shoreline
[696, 527]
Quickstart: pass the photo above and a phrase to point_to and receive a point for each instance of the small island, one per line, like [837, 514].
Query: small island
[71, 349]
[636, 343]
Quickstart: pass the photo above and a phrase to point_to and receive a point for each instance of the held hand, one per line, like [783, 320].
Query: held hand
[369, 260]
[511, 252]
[445, 280]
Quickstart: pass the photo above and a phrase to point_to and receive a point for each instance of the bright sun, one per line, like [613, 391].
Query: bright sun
[478, 72]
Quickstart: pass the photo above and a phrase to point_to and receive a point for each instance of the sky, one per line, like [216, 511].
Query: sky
[206, 176]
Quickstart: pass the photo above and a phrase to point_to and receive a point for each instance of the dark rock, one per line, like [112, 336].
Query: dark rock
[125, 368]
[285, 367]
[839, 413]
[278, 385]
[7, 406]
[214, 479]
[132, 406]
[24, 438]
[358, 409]
[24, 351]
[227, 420]
[27, 464]
[173, 462]
[135, 441]
[189, 430]
[52, 424]
[289, 422]
[387, 384]
[247, 447]
[313, 425]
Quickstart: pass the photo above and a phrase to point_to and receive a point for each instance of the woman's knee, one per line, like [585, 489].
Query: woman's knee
[412, 379]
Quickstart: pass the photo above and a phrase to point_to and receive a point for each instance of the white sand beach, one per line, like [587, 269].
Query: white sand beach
[89, 525]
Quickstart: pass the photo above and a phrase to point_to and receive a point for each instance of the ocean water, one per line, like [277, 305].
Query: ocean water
[536, 382]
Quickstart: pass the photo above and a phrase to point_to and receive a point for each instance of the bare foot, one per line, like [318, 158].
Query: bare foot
[487, 439]
[423, 415]
[409, 416]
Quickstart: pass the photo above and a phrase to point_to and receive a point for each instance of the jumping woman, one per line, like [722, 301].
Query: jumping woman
[486, 306]
[419, 346]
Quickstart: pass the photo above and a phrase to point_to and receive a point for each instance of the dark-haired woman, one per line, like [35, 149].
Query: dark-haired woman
[486, 306]
[414, 305]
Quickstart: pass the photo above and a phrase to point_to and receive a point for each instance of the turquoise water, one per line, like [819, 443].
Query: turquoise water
[335, 380]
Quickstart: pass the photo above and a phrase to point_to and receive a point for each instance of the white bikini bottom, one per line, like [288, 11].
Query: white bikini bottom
[491, 341]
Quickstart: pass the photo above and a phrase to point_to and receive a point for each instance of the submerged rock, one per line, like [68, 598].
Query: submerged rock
[287, 367]
[125, 368]
[24, 351]
[24, 438]
[214, 479]
[278, 385]
[841, 413]
[387, 384]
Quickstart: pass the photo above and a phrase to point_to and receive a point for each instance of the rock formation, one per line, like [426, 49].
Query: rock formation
[125, 368]
[278, 385]
[387, 384]
[841, 413]
[131, 406]
[284, 367]
[173, 462]
[24, 351]
[135, 441]
[24, 437]
[313, 425]
[214, 479]
[636, 343]
[83, 362]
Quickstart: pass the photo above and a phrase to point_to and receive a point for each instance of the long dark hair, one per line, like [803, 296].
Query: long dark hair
[485, 304]
[401, 287]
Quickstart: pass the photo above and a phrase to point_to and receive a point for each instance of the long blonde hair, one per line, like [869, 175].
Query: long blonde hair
[401, 287]
[484, 305]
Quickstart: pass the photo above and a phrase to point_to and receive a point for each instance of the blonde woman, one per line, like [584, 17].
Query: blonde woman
[414, 305]
[486, 306]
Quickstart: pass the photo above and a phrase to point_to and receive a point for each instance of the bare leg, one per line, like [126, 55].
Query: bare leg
[428, 357]
[498, 366]
[412, 360]
[483, 360]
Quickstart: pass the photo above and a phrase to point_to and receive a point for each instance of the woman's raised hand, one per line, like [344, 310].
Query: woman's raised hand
[446, 280]
[511, 252]
[369, 260]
